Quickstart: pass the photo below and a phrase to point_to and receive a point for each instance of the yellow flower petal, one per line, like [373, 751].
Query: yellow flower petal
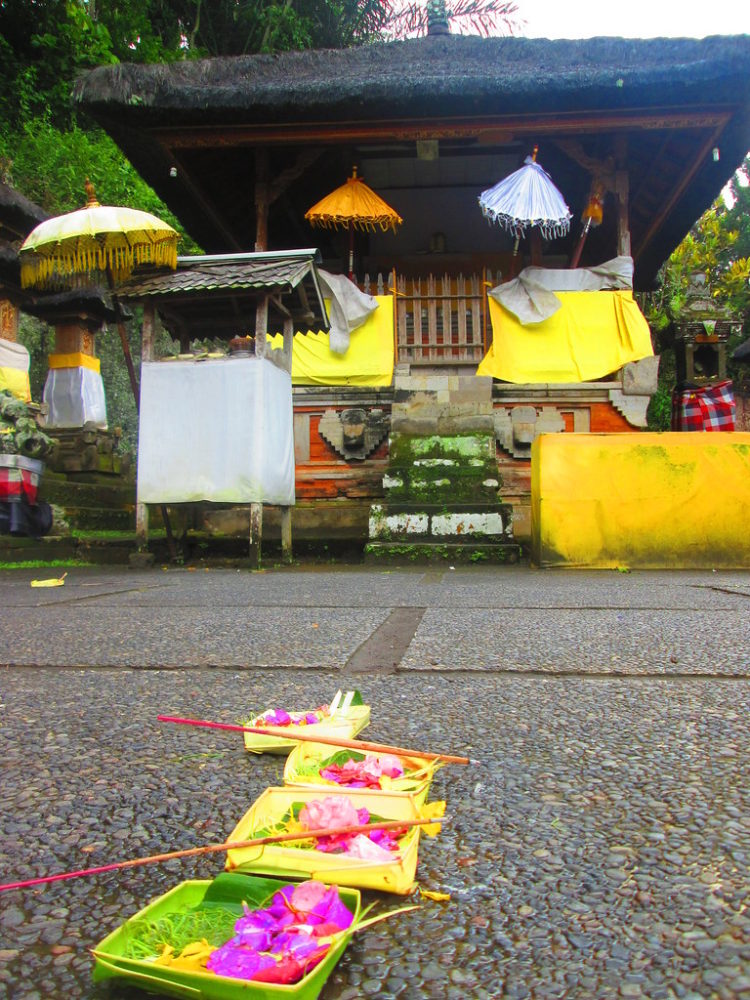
[439, 897]
[432, 810]
[192, 958]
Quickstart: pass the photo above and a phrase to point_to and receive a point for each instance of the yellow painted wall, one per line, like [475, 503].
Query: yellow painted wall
[647, 501]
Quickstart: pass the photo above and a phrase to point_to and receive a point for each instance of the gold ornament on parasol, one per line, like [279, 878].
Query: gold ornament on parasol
[352, 206]
[95, 240]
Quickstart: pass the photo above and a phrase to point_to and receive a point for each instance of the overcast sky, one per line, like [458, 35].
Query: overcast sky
[633, 18]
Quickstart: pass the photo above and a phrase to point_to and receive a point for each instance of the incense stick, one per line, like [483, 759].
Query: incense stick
[229, 846]
[336, 741]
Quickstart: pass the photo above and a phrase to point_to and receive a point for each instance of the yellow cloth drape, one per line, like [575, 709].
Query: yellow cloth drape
[14, 370]
[16, 382]
[369, 360]
[590, 336]
[74, 360]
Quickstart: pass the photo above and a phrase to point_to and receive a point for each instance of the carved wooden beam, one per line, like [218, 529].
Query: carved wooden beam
[305, 159]
[602, 170]
[267, 191]
[515, 126]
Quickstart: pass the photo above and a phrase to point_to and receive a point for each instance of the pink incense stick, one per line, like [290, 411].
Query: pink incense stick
[280, 838]
[293, 733]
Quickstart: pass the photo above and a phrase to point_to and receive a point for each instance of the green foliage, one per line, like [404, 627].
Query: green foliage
[50, 166]
[718, 246]
[43, 564]
[482, 17]
[44, 45]
[237, 27]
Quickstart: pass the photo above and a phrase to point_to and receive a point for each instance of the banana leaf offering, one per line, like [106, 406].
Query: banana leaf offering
[385, 860]
[238, 937]
[322, 765]
[346, 716]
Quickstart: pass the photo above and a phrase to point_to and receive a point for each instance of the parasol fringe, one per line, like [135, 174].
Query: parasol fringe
[43, 269]
[369, 225]
[518, 227]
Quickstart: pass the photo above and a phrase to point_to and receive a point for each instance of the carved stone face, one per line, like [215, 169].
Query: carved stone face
[353, 423]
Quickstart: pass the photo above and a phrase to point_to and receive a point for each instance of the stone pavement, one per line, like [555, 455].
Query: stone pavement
[598, 848]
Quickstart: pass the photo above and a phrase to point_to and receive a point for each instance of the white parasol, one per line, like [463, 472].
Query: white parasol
[527, 199]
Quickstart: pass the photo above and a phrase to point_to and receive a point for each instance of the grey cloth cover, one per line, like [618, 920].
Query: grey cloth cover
[531, 296]
[349, 308]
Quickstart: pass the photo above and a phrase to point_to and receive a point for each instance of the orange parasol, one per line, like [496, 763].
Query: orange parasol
[352, 206]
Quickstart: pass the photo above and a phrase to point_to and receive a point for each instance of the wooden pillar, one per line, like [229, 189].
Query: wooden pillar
[535, 245]
[286, 512]
[286, 534]
[286, 353]
[147, 354]
[262, 200]
[622, 194]
[261, 327]
[256, 533]
[622, 187]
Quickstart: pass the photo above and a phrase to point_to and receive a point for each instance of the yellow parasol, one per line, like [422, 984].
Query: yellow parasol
[95, 243]
[97, 239]
[352, 206]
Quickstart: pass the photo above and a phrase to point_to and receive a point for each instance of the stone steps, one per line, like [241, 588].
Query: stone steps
[441, 488]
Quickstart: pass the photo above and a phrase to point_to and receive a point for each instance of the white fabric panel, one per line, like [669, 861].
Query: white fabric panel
[13, 355]
[75, 396]
[531, 296]
[348, 309]
[218, 430]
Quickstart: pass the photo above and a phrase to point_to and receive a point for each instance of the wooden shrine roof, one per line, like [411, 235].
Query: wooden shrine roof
[216, 295]
[660, 105]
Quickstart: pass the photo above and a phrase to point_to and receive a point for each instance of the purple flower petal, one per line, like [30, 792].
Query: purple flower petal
[229, 960]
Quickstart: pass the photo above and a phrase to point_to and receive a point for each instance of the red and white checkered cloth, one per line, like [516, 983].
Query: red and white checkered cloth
[710, 408]
[17, 483]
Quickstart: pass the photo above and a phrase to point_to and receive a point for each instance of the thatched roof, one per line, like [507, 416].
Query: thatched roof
[191, 127]
[18, 215]
[450, 74]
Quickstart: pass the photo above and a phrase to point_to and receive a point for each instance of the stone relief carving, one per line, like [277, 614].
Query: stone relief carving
[517, 426]
[354, 433]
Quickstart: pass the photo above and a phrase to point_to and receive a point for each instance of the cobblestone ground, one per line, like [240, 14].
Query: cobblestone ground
[598, 848]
